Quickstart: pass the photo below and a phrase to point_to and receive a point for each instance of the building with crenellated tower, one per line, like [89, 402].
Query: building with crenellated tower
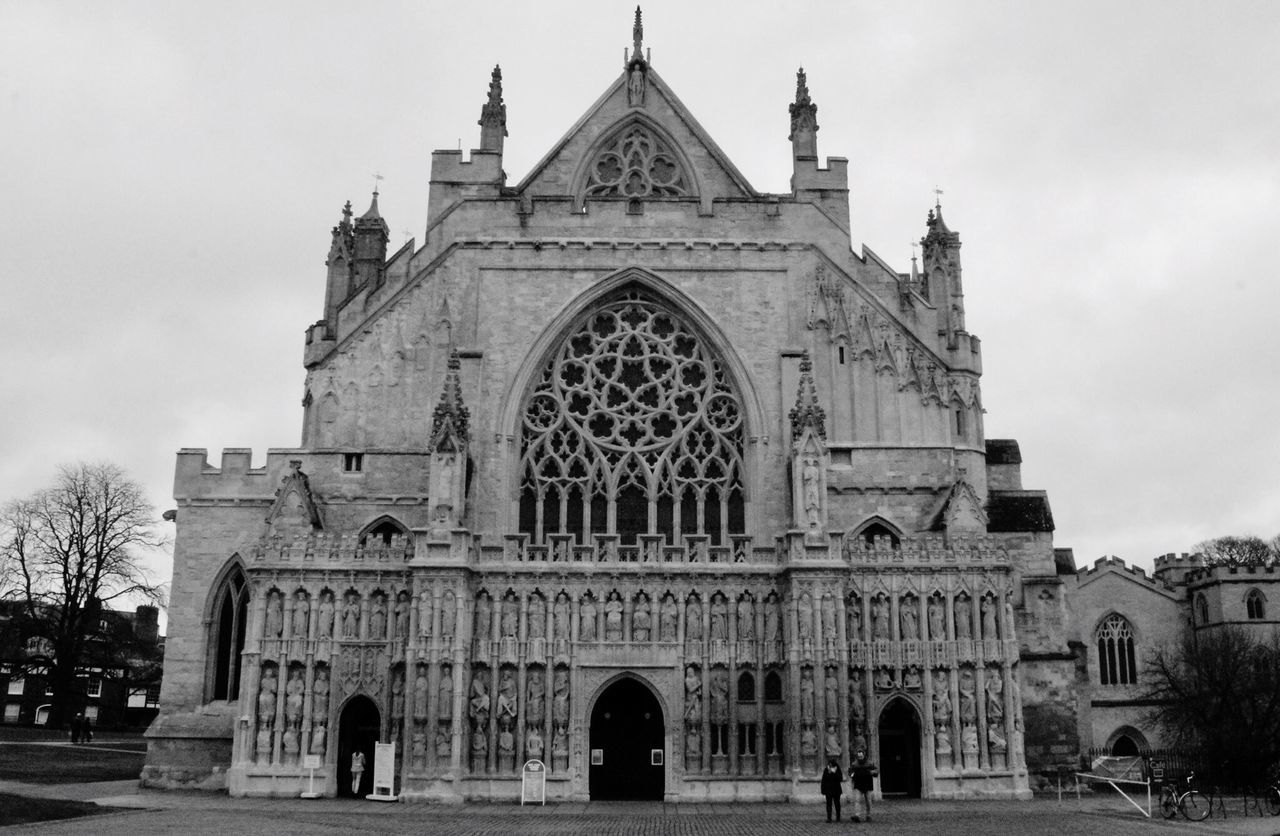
[630, 469]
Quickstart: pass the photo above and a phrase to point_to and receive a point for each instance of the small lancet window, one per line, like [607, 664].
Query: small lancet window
[1255, 606]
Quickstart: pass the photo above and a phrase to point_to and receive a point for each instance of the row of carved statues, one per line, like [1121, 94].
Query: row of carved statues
[640, 617]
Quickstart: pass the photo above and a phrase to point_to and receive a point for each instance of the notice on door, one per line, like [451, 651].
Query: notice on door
[533, 783]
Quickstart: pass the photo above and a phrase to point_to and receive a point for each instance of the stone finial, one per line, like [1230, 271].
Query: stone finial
[807, 412]
[804, 119]
[450, 423]
[637, 36]
[493, 116]
[340, 248]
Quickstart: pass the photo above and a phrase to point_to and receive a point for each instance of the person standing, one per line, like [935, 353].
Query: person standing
[863, 774]
[832, 786]
[77, 723]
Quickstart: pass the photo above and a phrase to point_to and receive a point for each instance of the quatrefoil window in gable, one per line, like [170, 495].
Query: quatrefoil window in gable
[633, 428]
[636, 165]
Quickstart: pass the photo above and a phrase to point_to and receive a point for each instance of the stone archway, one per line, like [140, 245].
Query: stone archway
[900, 750]
[627, 758]
[359, 729]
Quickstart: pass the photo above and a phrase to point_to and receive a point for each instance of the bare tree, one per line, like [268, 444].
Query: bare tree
[73, 548]
[1217, 691]
[1239, 551]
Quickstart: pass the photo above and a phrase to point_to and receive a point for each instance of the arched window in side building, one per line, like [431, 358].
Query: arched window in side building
[1116, 662]
[230, 613]
[1202, 610]
[1255, 604]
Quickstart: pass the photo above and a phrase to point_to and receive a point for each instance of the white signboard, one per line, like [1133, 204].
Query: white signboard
[533, 783]
[384, 773]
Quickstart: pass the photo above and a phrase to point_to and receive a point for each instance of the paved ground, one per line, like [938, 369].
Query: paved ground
[147, 812]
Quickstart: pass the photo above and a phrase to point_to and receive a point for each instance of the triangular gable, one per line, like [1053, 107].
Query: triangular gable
[565, 168]
[960, 510]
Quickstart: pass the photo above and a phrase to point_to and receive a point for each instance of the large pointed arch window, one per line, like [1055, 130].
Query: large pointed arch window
[633, 428]
[229, 618]
[1116, 662]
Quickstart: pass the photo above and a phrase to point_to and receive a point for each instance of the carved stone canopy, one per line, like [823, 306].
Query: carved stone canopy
[294, 505]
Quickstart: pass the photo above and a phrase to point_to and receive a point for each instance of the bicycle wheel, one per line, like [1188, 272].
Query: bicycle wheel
[1168, 807]
[1194, 806]
[1273, 800]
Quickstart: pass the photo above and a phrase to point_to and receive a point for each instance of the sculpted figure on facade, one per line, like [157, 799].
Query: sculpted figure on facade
[509, 621]
[857, 700]
[535, 701]
[425, 612]
[401, 616]
[812, 500]
[804, 618]
[807, 707]
[378, 617]
[444, 703]
[988, 607]
[419, 750]
[746, 619]
[484, 618]
[964, 617]
[560, 617]
[444, 744]
[995, 696]
[719, 619]
[275, 615]
[772, 620]
[613, 617]
[693, 621]
[968, 700]
[907, 619]
[533, 744]
[941, 699]
[937, 620]
[479, 702]
[293, 692]
[668, 617]
[884, 679]
[828, 619]
[911, 679]
[507, 698]
[853, 618]
[560, 699]
[537, 617]
[397, 697]
[832, 688]
[301, 615]
[879, 618]
[324, 627]
[267, 690]
[587, 619]
[641, 619]
[720, 696]
[351, 616]
[448, 617]
[833, 740]
[692, 696]
[420, 691]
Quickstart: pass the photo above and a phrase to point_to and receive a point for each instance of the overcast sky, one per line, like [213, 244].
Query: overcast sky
[171, 172]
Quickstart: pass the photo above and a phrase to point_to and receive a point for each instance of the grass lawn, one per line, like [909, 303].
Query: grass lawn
[66, 764]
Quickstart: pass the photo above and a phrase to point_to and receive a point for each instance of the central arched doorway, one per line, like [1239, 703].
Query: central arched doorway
[627, 743]
[358, 730]
[900, 750]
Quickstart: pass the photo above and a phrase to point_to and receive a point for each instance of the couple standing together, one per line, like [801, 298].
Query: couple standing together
[861, 772]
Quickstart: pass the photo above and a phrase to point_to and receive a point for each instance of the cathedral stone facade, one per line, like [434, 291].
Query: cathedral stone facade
[632, 470]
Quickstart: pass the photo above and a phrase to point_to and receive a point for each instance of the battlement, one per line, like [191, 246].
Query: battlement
[236, 477]
[1178, 561]
[1114, 564]
[448, 166]
[1224, 572]
[809, 177]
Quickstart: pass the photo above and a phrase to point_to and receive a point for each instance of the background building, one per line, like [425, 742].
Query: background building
[634, 470]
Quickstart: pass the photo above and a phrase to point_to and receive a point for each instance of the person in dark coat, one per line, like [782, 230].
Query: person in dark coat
[77, 723]
[863, 774]
[832, 786]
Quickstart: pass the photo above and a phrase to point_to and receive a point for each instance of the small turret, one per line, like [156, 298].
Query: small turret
[370, 249]
[804, 121]
[341, 266]
[493, 116]
[941, 284]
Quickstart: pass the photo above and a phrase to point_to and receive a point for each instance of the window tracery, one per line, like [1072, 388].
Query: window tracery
[1116, 662]
[230, 617]
[632, 429]
[636, 164]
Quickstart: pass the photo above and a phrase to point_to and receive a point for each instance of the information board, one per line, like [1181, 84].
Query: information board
[533, 783]
[384, 773]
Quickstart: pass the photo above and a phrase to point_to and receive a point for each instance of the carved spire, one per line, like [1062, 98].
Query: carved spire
[804, 120]
[637, 36]
[941, 282]
[807, 412]
[450, 423]
[340, 248]
[637, 66]
[493, 116]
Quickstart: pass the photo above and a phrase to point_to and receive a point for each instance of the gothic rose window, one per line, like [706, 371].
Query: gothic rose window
[636, 165]
[632, 429]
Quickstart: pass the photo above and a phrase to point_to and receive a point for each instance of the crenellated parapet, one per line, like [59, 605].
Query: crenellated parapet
[1172, 568]
[1112, 564]
[1223, 572]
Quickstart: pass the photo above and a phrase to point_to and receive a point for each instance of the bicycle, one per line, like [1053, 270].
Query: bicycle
[1272, 795]
[1191, 803]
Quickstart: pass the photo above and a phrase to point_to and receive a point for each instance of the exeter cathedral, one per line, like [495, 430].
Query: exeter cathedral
[635, 471]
